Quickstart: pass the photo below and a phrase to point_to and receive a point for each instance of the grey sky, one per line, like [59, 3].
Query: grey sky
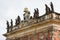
[10, 9]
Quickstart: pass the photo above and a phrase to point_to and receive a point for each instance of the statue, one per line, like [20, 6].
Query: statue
[52, 8]
[11, 24]
[16, 22]
[7, 27]
[18, 19]
[36, 13]
[26, 14]
[47, 9]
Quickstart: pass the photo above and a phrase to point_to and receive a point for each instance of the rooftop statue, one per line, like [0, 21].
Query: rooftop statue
[47, 9]
[36, 13]
[26, 14]
[11, 24]
[7, 26]
[17, 21]
[52, 8]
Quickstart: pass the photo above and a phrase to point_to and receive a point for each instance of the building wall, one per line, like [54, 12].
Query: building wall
[35, 36]
[38, 32]
[47, 35]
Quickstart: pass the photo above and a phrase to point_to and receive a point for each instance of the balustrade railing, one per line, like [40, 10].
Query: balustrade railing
[37, 20]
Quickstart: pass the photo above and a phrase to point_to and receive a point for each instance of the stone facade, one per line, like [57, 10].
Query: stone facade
[45, 27]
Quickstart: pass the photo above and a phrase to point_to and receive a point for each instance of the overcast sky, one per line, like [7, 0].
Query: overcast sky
[10, 9]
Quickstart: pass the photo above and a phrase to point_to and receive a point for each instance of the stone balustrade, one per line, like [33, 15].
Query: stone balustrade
[32, 21]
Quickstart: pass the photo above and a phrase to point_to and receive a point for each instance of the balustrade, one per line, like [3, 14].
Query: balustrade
[36, 20]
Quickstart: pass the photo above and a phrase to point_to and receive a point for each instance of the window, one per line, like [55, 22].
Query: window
[41, 36]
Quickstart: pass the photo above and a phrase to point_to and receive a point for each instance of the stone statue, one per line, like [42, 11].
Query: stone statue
[18, 19]
[16, 22]
[11, 24]
[7, 27]
[52, 8]
[26, 14]
[47, 9]
[36, 13]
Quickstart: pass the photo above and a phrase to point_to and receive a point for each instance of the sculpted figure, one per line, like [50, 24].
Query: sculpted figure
[18, 19]
[52, 8]
[11, 24]
[7, 27]
[26, 14]
[36, 13]
[47, 9]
